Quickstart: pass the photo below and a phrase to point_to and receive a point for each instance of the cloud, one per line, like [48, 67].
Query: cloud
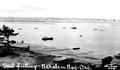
[4, 10]
[33, 8]
[24, 9]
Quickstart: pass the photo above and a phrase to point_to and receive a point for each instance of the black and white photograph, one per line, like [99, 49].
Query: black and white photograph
[59, 35]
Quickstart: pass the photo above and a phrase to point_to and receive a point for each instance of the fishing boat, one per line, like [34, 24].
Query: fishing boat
[19, 28]
[73, 27]
[77, 48]
[64, 27]
[95, 29]
[47, 38]
[101, 30]
[36, 28]
[80, 35]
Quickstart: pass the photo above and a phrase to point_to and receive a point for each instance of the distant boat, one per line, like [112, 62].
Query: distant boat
[47, 38]
[95, 29]
[76, 48]
[80, 35]
[19, 28]
[64, 27]
[36, 28]
[101, 30]
[73, 27]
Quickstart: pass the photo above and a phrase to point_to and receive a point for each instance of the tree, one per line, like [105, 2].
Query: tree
[7, 32]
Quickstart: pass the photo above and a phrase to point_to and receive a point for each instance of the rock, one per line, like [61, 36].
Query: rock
[106, 60]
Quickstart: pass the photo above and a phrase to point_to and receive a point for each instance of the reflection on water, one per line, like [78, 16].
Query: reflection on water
[100, 38]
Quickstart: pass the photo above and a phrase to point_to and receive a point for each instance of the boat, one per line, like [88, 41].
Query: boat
[76, 48]
[101, 30]
[95, 29]
[36, 28]
[80, 35]
[19, 28]
[64, 27]
[73, 27]
[47, 38]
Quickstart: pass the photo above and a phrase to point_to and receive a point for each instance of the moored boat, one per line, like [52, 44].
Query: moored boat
[73, 27]
[77, 48]
[47, 38]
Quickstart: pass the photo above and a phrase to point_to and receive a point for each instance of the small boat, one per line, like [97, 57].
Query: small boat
[64, 27]
[95, 29]
[73, 27]
[36, 28]
[80, 35]
[101, 30]
[47, 38]
[19, 28]
[76, 48]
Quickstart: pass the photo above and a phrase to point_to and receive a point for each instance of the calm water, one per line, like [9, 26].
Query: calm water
[106, 42]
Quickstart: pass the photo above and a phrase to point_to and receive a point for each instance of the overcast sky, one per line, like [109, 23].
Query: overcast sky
[61, 8]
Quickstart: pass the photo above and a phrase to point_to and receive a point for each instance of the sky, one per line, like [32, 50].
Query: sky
[61, 8]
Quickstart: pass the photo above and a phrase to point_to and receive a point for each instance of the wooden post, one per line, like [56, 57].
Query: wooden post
[28, 48]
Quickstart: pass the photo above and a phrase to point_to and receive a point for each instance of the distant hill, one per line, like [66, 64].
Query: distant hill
[58, 20]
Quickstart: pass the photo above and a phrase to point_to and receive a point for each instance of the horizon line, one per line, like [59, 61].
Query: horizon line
[57, 19]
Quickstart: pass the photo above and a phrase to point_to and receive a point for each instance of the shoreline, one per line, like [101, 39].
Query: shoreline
[35, 54]
[33, 57]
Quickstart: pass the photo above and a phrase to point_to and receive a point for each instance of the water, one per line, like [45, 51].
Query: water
[95, 42]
